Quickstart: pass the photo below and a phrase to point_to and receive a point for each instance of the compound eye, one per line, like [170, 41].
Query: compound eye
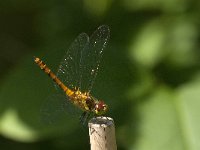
[100, 108]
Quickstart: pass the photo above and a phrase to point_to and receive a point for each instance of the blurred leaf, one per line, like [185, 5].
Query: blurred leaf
[183, 37]
[172, 39]
[159, 123]
[167, 6]
[147, 48]
[188, 109]
[169, 119]
[100, 7]
[12, 127]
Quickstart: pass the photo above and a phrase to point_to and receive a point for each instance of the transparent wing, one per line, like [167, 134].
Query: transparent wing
[69, 69]
[80, 64]
[91, 56]
[52, 110]
[56, 108]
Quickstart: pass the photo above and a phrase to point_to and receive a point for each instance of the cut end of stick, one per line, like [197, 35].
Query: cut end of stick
[102, 133]
[101, 121]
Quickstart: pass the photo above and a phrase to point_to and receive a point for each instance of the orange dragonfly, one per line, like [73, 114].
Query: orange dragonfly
[78, 70]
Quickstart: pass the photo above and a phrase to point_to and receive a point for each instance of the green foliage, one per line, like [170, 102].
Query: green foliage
[149, 75]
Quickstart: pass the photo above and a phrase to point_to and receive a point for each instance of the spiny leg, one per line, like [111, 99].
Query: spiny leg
[84, 117]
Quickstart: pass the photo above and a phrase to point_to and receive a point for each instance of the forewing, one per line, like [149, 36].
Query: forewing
[91, 56]
[69, 68]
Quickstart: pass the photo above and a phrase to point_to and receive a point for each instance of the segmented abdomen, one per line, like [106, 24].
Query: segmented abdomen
[44, 67]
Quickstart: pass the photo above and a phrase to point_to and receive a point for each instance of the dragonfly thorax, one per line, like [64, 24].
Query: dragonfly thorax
[88, 103]
[83, 100]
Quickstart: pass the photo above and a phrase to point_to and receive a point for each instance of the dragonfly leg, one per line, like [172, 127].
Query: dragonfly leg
[84, 117]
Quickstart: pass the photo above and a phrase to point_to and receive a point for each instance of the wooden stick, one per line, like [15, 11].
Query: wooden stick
[102, 134]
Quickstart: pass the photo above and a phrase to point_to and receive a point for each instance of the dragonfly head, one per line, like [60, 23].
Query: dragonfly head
[100, 108]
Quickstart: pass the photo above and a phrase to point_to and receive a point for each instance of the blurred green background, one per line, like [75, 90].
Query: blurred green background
[149, 74]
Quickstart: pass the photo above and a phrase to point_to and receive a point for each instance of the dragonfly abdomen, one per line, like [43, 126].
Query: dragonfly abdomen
[44, 67]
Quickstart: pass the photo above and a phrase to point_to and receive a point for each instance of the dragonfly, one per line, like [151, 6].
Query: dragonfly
[77, 72]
